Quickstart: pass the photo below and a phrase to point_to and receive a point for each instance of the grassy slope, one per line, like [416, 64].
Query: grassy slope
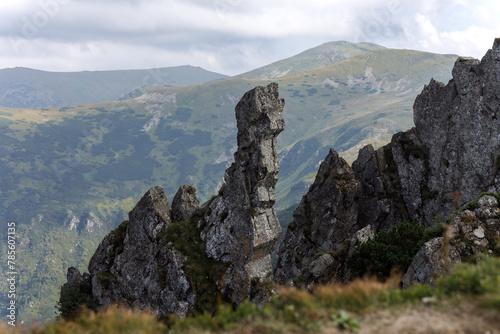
[320, 56]
[468, 300]
[72, 174]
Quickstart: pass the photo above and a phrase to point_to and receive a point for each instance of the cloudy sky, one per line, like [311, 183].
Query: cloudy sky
[229, 36]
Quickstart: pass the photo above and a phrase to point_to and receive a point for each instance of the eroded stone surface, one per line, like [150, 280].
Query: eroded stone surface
[470, 233]
[240, 225]
[432, 261]
[185, 203]
[323, 223]
[134, 266]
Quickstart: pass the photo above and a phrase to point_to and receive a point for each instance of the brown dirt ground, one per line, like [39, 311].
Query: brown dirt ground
[463, 318]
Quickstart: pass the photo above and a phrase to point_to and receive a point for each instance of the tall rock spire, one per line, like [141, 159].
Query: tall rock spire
[240, 224]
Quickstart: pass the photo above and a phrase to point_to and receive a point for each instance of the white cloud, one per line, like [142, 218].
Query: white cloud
[229, 36]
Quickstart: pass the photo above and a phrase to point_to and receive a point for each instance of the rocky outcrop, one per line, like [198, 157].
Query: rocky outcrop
[134, 266]
[453, 153]
[317, 241]
[380, 204]
[240, 225]
[185, 203]
[473, 230]
[169, 259]
[433, 260]
[449, 158]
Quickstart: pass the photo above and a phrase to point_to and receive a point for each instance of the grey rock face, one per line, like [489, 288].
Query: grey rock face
[449, 158]
[134, 266]
[470, 233]
[380, 204]
[457, 124]
[323, 223]
[74, 277]
[184, 204]
[433, 260]
[240, 225]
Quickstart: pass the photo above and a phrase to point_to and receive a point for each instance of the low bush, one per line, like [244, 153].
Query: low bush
[391, 251]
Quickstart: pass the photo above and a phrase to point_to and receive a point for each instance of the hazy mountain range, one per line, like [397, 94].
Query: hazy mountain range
[27, 88]
[71, 171]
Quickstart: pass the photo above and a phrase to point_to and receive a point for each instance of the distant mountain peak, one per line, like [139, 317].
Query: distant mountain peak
[323, 55]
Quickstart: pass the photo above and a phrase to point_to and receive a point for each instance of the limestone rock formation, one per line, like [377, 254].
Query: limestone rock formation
[449, 158]
[240, 225]
[145, 263]
[185, 203]
[134, 266]
[317, 241]
[473, 230]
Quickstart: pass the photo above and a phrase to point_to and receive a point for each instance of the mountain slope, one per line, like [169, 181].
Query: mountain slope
[28, 88]
[320, 56]
[72, 173]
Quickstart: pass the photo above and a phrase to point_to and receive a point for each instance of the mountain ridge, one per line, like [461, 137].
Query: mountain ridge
[320, 56]
[26, 87]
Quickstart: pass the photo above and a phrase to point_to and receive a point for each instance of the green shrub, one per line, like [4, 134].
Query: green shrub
[481, 278]
[202, 272]
[391, 250]
[343, 320]
[74, 298]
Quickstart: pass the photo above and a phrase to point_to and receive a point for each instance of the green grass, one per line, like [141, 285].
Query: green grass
[297, 311]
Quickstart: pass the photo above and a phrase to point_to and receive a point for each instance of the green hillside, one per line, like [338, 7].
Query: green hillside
[320, 56]
[71, 174]
[28, 88]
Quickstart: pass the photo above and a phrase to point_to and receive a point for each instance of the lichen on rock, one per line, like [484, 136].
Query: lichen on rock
[469, 233]
[240, 225]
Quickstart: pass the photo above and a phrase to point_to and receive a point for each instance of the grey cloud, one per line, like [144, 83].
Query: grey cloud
[229, 36]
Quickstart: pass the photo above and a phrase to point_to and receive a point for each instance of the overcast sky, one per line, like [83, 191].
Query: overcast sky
[229, 36]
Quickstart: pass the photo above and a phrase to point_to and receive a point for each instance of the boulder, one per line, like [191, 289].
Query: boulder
[433, 260]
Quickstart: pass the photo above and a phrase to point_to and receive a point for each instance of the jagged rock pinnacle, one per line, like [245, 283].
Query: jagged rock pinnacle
[449, 158]
[240, 224]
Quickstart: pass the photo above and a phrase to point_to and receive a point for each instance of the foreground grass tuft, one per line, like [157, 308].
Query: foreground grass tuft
[295, 310]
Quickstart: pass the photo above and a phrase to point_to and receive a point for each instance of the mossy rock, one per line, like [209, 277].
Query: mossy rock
[202, 273]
